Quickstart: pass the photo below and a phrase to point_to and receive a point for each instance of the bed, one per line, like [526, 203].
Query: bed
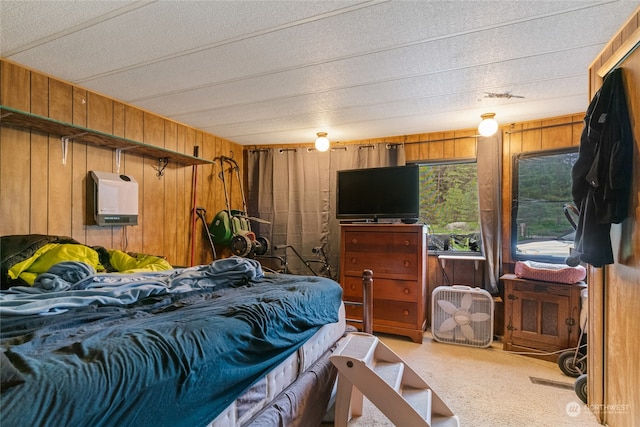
[222, 344]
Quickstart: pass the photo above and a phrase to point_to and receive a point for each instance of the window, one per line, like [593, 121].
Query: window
[541, 188]
[449, 205]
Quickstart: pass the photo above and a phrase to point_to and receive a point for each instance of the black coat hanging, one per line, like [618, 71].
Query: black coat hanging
[602, 174]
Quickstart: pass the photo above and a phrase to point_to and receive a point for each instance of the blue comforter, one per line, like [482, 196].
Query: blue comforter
[166, 349]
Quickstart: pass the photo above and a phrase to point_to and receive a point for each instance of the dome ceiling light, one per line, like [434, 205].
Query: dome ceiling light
[322, 142]
[488, 126]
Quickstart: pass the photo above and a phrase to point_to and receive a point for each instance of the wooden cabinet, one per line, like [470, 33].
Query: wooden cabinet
[397, 255]
[541, 317]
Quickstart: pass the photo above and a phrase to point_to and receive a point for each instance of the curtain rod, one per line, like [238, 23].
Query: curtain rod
[453, 138]
[509, 132]
[388, 146]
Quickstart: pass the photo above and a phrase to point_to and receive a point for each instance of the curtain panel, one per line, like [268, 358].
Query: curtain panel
[294, 189]
[489, 164]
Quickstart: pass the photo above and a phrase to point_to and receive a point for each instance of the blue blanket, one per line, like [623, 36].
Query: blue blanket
[75, 284]
[174, 348]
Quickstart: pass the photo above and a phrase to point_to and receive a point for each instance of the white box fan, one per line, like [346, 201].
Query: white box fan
[462, 315]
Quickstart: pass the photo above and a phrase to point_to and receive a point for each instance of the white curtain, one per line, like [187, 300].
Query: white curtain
[294, 189]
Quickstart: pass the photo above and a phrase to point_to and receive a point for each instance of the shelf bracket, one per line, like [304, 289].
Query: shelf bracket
[162, 165]
[65, 146]
[118, 155]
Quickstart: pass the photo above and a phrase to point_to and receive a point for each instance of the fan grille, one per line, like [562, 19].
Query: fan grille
[462, 315]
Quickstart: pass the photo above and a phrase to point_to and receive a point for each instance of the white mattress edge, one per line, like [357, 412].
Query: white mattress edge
[283, 375]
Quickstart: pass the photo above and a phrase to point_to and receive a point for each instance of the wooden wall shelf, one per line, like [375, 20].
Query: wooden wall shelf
[22, 119]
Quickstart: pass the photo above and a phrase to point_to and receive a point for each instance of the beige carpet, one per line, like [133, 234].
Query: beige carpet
[489, 387]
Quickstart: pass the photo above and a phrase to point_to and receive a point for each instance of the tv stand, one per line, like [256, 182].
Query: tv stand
[397, 255]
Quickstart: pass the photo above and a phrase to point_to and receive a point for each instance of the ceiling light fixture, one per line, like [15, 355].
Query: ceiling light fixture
[322, 142]
[488, 126]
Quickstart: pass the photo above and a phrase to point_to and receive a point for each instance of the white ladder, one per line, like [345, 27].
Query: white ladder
[368, 367]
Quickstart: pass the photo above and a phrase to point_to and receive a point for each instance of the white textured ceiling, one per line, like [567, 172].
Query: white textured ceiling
[276, 72]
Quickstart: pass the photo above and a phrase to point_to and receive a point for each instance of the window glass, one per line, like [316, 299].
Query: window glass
[449, 206]
[541, 190]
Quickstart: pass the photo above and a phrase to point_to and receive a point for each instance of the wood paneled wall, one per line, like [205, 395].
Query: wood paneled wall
[557, 132]
[41, 195]
[614, 291]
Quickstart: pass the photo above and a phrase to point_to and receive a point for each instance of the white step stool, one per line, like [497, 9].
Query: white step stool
[368, 367]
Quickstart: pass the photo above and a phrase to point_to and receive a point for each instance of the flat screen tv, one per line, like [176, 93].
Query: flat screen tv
[373, 193]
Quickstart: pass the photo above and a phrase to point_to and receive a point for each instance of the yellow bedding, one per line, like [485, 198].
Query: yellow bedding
[53, 253]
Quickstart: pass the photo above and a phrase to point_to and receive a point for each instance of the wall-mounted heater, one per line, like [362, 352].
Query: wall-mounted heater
[115, 199]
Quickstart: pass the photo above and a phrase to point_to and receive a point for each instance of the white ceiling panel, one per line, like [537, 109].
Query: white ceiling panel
[112, 45]
[50, 20]
[259, 90]
[270, 72]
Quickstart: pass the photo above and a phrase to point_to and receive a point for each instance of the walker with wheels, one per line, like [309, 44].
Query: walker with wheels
[573, 363]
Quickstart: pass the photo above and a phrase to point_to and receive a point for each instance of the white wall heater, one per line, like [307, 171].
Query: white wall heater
[115, 199]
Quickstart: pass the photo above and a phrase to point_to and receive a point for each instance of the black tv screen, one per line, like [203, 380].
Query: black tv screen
[388, 192]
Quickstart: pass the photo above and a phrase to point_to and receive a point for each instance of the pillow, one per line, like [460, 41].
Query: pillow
[9, 375]
[547, 272]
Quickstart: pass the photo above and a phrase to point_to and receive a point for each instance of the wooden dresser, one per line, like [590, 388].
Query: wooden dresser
[397, 255]
[540, 317]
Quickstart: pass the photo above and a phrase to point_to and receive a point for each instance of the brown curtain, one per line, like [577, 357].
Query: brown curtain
[294, 189]
[489, 198]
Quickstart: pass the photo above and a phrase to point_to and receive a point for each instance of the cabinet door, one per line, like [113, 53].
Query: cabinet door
[539, 318]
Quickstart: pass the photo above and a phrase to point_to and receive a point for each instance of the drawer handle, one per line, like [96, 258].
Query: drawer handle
[407, 291]
[352, 287]
[354, 241]
[405, 312]
[406, 243]
[407, 263]
[354, 260]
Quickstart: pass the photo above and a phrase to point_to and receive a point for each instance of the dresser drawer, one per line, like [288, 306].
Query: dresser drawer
[389, 265]
[384, 289]
[388, 312]
[363, 241]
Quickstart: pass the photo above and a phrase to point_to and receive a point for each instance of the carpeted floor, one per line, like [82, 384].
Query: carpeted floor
[489, 387]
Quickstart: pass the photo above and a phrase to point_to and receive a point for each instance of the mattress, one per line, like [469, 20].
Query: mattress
[177, 346]
[266, 390]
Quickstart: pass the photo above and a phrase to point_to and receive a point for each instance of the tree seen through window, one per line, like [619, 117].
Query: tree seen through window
[449, 206]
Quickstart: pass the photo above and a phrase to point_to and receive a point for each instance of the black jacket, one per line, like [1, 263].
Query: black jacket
[602, 174]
